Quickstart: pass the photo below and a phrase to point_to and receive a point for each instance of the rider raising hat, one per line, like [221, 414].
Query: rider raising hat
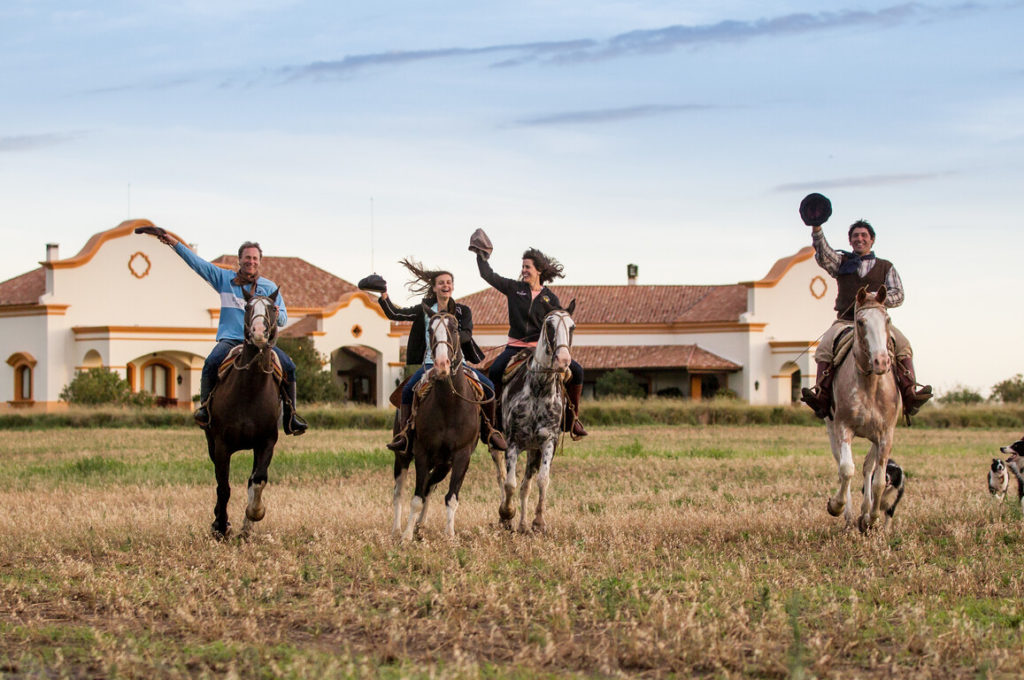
[853, 271]
[529, 301]
[436, 286]
[230, 331]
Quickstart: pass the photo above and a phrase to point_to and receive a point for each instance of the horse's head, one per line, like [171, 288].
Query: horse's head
[443, 331]
[872, 327]
[260, 318]
[555, 341]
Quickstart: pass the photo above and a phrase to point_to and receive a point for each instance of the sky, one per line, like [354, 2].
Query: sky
[679, 136]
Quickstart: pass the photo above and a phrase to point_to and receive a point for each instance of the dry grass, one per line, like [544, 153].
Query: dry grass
[672, 551]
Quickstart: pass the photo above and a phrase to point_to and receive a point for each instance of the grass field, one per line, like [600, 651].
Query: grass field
[671, 551]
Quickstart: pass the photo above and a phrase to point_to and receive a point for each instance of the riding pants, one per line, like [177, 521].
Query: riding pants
[407, 391]
[824, 353]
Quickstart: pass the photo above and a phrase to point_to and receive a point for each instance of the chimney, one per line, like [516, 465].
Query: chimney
[52, 252]
[632, 271]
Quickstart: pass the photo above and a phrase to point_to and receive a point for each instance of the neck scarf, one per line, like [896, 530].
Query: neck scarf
[851, 261]
[243, 279]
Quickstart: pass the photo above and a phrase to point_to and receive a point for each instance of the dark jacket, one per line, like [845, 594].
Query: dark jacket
[525, 313]
[417, 347]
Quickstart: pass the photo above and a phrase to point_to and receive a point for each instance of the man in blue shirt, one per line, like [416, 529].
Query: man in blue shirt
[230, 329]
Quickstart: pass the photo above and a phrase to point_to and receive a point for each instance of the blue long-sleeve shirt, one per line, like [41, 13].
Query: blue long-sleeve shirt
[232, 301]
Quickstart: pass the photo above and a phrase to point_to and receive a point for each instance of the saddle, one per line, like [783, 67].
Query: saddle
[423, 387]
[229, 364]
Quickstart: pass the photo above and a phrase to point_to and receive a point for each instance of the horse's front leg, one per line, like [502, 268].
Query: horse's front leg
[451, 501]
[499, 466]
[884, 450]
[256, 508]
[221, 468]
[532, 465]
[401, 473]
[506, 511]
[869, 506]
[543, 478]
[841, 441]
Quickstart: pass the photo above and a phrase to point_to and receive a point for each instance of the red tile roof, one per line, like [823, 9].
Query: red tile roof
[637, 357]
[303, 285]
[627, 304]
[25, 289]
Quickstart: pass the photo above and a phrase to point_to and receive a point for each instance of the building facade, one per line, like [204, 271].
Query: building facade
[128, 303]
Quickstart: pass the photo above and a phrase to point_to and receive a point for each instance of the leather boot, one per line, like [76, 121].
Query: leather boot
[293, 423]
[575, 429]
[488, 434]
[401, 441]
[819, 397]
[202, 414]
[913, 399]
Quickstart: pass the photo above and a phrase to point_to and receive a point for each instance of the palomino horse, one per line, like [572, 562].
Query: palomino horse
[446, 422]
[867, 404]
[532, 407]
[244, 409]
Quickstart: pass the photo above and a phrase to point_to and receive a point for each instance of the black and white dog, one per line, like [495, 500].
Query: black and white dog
[894, 480]
[1014, 460]
[998, 479]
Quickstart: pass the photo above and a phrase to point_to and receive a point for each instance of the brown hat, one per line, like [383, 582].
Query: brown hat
[479, 243]
[815, 210]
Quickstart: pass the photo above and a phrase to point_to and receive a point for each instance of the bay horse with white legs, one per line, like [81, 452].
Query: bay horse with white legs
[446, 422]
[532, 407]
[867, 404]
[244, 409]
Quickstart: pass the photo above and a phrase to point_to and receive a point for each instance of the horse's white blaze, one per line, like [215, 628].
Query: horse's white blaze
[258, 330]
[442, 360]
[876, 333]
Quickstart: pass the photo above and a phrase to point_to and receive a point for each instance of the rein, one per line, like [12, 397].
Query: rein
[550, 345]
[457, 359]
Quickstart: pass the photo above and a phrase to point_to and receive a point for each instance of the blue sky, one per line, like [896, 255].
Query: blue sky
[678, 136]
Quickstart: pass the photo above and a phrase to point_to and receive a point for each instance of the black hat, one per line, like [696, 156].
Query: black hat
[815, 210]
[374, 283]
[154, 231]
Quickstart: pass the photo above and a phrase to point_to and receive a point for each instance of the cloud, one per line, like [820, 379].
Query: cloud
[33, 142]
[865, 181]
[636, 42]
[609, 115]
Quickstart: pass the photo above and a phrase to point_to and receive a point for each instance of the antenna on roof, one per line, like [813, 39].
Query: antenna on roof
[129, 201]
[372, 268]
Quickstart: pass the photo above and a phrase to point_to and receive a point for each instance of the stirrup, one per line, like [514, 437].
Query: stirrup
[202, 416]
[576, 436]
[810, 397]
[400, 443]
[295, 425]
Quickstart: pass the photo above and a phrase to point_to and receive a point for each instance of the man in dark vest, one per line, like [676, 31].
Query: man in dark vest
[853, 271]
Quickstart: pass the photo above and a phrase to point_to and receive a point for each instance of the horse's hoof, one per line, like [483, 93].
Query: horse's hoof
[834, 509]
[256, 514]
[506, 514]
[220, 533]
[540, 526]
[864, 523]
[505, 524]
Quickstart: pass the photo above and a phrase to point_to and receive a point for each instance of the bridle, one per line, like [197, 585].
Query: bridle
[269, 316]
[454, 349]
[561, 321]
[862, 356]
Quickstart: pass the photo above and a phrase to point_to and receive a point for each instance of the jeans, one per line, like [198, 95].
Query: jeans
[220, 352]
[407, 391]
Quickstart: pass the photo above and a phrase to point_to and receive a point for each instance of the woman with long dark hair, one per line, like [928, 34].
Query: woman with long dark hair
[436, 286]
[529, 301]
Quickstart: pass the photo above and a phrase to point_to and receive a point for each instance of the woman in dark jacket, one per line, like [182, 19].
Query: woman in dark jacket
[529, 301]
[437, 286]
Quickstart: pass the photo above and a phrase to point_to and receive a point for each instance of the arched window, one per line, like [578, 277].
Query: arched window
[24, 365]
[158, 379]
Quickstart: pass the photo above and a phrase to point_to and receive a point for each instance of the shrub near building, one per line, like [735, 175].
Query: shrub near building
[99, 386]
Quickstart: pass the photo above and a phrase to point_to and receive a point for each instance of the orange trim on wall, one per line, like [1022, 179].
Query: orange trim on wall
[92, 246]
[33, 310]
[780, 268]
[21, 358]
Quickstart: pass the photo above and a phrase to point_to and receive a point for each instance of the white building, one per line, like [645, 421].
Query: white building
[129, 303]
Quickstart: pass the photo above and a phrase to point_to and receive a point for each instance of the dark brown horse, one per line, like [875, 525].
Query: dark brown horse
[244, 409]
[446, 422]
